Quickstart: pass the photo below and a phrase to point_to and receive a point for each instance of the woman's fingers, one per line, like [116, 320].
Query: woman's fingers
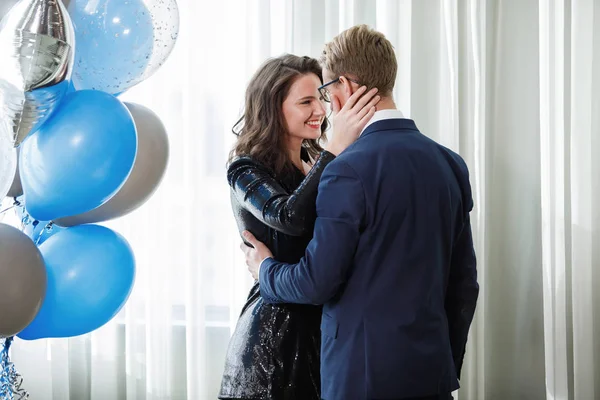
[367, 117]
[369, 96]
[354, 98]
[364, 110]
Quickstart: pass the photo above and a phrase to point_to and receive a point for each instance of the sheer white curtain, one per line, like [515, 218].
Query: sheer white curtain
[513, 85]
[570, 181]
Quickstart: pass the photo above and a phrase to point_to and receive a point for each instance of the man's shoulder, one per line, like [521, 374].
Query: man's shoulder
[343, 162]
[455, 158]
[450, 155]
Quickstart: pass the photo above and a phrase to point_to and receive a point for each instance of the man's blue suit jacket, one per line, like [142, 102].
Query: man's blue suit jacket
[392, 260]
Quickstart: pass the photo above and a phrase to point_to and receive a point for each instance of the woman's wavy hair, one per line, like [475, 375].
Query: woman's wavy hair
[262, 130]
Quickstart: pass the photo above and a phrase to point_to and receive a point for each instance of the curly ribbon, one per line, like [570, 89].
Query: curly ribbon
[47, 229]
[10, 380]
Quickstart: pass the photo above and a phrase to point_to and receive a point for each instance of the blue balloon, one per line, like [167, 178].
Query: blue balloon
[91, 270]
[114, 43]
[79, 158]
[71, 87]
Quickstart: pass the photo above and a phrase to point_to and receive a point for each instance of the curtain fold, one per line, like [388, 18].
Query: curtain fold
[512, 85]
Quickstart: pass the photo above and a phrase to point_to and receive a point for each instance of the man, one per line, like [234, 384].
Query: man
[392, 256]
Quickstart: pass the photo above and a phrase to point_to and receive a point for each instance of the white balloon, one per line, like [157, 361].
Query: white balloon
[8, 165]
[16, 189]
[5, 6]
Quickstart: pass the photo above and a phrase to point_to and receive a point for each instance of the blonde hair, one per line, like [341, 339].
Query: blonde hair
[365, 54]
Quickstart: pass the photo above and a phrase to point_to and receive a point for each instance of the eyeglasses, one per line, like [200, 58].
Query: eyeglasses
[324, 92]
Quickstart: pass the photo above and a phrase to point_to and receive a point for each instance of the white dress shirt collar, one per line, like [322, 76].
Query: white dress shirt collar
[384, 114]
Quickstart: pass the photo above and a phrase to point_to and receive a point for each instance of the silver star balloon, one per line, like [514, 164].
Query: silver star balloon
[37, 46]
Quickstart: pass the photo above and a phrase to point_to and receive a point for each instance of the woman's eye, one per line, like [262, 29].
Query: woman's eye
[306, 102]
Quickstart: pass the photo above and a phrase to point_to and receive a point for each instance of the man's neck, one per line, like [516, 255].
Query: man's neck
[386, 103]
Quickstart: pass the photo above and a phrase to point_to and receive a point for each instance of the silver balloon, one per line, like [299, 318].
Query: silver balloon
[8, 161]
[36, 54]
[22, 280]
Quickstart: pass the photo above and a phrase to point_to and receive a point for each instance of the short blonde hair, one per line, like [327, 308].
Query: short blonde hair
[364, 53]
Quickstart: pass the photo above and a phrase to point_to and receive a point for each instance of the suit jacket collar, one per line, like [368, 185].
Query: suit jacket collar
[395, 124]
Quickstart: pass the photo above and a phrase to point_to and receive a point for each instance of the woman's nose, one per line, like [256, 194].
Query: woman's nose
[319, 110]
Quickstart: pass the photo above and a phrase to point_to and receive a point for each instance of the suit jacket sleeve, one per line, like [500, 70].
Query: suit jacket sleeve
[259, 192]
[324, 269]
[462, 291]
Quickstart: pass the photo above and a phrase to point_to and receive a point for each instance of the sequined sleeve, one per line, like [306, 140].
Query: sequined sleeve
[260, 193]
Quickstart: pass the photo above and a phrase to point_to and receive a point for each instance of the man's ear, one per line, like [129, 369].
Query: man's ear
[346, 86]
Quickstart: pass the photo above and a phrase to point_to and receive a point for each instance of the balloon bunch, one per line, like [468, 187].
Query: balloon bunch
[72, 154]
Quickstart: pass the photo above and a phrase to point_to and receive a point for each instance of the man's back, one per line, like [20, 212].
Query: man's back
[387, 331]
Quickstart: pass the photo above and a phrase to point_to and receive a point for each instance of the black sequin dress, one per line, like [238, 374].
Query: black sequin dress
[274, 351]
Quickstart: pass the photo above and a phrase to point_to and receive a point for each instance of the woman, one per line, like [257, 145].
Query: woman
[274, 173]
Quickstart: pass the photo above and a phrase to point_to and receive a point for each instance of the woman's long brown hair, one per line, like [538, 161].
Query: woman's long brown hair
[261, 131]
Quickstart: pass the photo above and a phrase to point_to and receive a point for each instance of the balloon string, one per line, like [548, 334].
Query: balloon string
[47, 228]
[26, 219]
[7, 209]
[10, 380]
[15, 204]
